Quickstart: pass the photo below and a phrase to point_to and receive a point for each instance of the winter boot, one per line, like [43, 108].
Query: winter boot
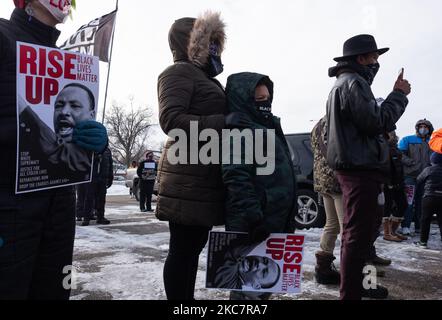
[388, 236]
[325, 270]
[85, 223]
[378, 261]
[379, 292]
[103, 221]
[394, 226]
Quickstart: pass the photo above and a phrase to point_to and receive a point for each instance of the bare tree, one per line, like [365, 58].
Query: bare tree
[128, 130]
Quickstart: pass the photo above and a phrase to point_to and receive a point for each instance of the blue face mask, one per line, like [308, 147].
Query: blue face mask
[214, 65]
[424, 132]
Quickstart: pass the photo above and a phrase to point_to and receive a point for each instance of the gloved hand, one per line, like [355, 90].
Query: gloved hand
[91, 136]
[258, 232]
[237, 120]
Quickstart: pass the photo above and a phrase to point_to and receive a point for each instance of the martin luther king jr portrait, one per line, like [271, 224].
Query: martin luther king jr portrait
[55, 149]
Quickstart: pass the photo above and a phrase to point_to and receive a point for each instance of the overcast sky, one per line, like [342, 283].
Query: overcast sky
[293, 42]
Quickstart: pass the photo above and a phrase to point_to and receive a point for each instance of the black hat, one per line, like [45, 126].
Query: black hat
[361, 44]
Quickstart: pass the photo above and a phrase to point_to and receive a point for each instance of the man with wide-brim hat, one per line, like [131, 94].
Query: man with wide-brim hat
[359, 154]
[360, 45]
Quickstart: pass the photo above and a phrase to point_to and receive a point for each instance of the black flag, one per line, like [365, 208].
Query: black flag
[93, 38]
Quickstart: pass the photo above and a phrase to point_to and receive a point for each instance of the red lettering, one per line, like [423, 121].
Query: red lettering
[34, 92]
[293, 240]
[42, 62]
[276, 254]
[293, 257]
[57, 69]
[290, 268]
[28, 58]
[50, 89]
[69, 66]
[275, 243]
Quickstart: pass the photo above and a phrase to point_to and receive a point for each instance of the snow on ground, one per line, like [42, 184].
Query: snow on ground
[125, 261]
[118, 188]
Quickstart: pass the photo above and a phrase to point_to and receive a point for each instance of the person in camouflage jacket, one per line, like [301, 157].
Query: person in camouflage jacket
[326, 183]
[257, 204]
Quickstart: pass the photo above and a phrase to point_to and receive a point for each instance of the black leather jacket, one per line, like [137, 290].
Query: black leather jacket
[432, 178]
[356, 125]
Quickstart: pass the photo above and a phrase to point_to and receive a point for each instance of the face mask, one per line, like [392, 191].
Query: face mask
[214, 65]
[264, 107]
[371, 72]
[424, 132]
[59, 9]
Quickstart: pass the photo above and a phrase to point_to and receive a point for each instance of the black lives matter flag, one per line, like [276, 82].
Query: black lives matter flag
[93, 38]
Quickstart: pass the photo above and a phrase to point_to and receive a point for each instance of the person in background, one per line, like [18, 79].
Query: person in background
[134, 165]
[431, 181]
[37, 229]
[416, 157]
[94, 193]
[147, 172]
[102, 181]
[436, 141]
[394, 190]
[327, 185]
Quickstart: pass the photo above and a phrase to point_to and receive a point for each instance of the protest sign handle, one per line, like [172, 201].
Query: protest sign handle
[110, 64]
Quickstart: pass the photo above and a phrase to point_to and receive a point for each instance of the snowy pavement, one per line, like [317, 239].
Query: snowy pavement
[125, 261]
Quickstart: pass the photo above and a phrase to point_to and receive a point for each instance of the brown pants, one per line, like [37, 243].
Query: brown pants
[362, 213]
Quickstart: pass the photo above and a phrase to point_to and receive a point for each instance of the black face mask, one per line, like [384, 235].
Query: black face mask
[264, 107]
[371, 71]
[214, 66]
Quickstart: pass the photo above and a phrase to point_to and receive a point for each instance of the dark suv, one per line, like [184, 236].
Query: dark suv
[311, 212]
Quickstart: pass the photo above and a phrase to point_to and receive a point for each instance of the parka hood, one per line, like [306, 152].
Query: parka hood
[240, 91]
[179, 36]
[190, 38]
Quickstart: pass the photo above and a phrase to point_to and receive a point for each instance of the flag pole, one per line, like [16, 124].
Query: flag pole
[110, 64]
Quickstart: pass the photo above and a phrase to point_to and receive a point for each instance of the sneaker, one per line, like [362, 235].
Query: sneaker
[422, 245]
[379, 293]
[85, 223]
[406, 231]
[103, 221]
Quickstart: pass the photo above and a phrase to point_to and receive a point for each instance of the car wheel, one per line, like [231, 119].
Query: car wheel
[310, 213]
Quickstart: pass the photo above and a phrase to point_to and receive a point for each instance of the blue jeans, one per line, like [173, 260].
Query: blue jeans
[413, 211]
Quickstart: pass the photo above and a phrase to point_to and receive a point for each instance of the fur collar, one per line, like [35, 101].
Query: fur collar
[207, 28]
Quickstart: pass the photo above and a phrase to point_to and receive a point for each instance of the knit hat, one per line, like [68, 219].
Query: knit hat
[436, 158]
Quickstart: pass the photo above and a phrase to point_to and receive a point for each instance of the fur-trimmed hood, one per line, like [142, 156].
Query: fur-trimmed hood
[189, 38]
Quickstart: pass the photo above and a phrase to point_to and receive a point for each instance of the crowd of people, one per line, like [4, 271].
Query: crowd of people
[366, 178]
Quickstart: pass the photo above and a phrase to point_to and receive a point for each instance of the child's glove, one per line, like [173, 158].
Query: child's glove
[91, 136]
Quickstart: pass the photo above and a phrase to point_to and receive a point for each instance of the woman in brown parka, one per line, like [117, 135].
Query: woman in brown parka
[191, 196]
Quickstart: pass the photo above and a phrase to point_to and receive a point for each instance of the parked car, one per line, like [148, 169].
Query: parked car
[311, 213]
